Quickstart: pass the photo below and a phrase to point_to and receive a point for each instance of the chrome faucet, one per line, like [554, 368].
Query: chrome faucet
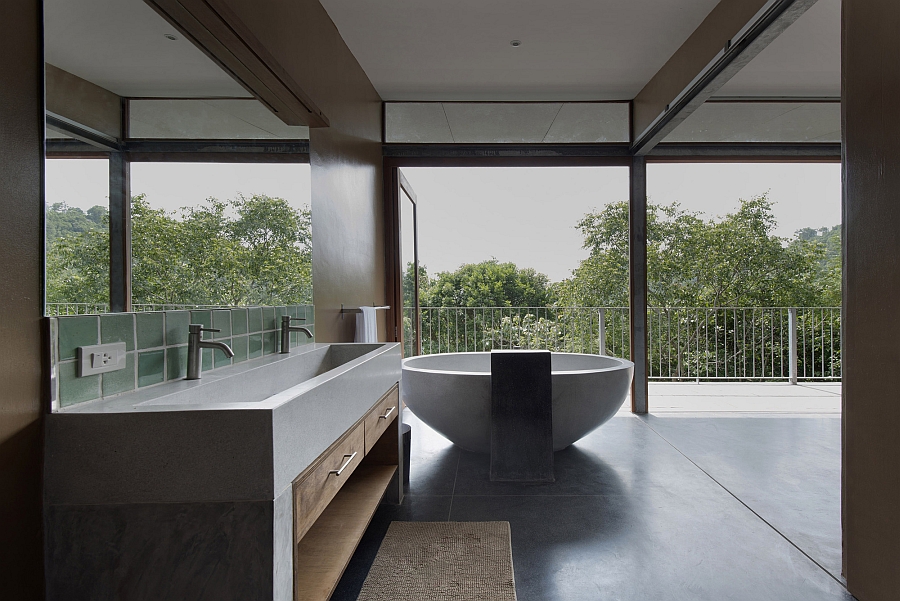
[195, 344]
[287, 328]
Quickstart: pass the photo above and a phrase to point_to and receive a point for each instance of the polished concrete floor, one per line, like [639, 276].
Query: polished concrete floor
[675, 505]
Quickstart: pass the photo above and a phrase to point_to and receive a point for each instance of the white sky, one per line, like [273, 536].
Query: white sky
[84, 182]
[523, 215]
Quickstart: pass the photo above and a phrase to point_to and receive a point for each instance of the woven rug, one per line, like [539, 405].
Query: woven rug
[442, 561]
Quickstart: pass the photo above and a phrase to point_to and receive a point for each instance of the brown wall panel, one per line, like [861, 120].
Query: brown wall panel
[871, 353]
[345, 158]
[21, 298]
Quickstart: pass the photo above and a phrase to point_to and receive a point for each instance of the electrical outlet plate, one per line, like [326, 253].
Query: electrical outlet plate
[100, 358]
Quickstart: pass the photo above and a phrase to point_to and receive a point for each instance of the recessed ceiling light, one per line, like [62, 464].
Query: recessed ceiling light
[170, 36]
[515, 43]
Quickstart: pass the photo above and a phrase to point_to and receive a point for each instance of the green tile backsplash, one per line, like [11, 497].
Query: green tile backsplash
[256, 319]
[156, 344]
[123, 380]
[221, 320]
[151, 368]
[177, 323]
[239, 321]
[151, 330]
[239, 344]
[117, 328]
[83, 330]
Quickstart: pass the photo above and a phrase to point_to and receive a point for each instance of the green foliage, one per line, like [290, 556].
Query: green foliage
[77, 255]
[248, 251]
[693, 262]
[63, 220]
[486, 284]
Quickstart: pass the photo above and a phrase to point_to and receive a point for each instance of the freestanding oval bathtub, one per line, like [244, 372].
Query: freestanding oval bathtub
[452, 393]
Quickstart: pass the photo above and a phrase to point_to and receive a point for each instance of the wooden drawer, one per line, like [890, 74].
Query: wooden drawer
[381, 416]
[317, 486]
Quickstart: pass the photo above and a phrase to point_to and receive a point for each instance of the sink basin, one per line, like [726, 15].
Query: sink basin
[280, 377]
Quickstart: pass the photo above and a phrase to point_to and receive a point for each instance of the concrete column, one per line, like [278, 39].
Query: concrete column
[21, 297]
[871, 285]
[637, 232]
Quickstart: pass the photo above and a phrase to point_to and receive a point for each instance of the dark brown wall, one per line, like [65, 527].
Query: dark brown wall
[871, 343]
[345, 158]
[21, 298]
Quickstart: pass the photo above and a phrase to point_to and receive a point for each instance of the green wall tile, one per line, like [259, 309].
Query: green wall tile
[74, 390]
[151, 330]
[122, 380]
[204, 318]
[310, 314]
[279, 312]
[239, 321]
[207, 361]
[117, 328]
[256, 319]
[176, 362]
[269, 318]
[220, 359]
[239, 344]
[255, 346]
[221, 320]
[177, 323]
[77, 331]
[305, 339]
[151, 367]
[270, 343]
[53, 331]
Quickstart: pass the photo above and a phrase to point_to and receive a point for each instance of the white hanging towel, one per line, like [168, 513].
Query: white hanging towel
[366, 325]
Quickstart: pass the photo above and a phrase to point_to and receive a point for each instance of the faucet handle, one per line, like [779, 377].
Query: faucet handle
[198, 327]
[286, 319]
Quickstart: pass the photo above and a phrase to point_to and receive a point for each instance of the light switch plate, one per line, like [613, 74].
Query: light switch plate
[100, 358]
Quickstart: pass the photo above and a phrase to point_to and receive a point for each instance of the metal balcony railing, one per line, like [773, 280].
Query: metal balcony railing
[56, 309]
[685, 343]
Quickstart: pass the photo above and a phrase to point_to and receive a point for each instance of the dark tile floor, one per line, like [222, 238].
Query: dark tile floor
[661, 507]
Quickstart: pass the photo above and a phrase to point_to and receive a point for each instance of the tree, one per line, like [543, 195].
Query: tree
[247, 251]
[487, 284]
[63, 220]
[691, 261]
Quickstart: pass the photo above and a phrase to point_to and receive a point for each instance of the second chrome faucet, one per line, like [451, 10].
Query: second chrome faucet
[287, 328]
[195, 344]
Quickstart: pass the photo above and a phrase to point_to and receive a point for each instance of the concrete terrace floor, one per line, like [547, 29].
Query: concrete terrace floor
[725, 491]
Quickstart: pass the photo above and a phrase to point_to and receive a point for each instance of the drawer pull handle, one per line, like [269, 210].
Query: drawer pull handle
[386, 413]
[349, 458]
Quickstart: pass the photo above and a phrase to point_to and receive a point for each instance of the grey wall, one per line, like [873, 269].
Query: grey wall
[871, 351]
[345, 158]
[21, 297]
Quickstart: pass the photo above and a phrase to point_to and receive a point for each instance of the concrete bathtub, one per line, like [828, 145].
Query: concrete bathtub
[452, 393]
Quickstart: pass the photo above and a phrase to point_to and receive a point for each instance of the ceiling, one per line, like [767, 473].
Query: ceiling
[460, 49]
[120, 45]
[805, 60]
[455, 49]
[571, 49]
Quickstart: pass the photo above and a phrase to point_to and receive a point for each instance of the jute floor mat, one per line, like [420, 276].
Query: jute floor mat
[442, 561]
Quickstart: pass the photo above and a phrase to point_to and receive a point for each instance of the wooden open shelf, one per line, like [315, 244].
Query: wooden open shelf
[324, 552]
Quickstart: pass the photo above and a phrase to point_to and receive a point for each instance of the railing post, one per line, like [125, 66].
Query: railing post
[792, 336]
[601, 341]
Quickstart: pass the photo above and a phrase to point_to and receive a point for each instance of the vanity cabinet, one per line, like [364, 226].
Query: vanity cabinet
[335, 498]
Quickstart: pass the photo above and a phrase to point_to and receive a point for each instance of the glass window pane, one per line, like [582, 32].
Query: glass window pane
[220, 234]
[208, 119]
[761, 122]
[77, 243]
[506, 122]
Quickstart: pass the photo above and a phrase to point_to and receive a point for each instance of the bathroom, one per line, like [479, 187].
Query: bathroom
[144, 458]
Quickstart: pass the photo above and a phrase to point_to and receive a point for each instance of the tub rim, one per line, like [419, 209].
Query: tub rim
[623, 364]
